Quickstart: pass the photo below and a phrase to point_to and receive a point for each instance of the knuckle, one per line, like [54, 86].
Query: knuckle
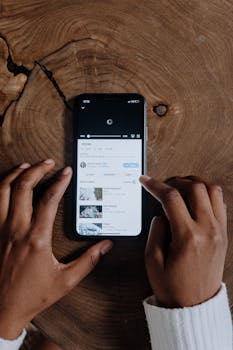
[216, 189]
[36, 243]
[94, 257]
[169, 194]
[197, 239]
[192, 239]
[22, 184]
[50, 197]
[216, 239]
[215, 236]
[197, 187]
[213, 227]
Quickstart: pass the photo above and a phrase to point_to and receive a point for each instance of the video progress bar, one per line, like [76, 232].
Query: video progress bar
[88, 136]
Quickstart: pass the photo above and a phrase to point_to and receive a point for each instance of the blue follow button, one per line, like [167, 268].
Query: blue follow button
[130, 165]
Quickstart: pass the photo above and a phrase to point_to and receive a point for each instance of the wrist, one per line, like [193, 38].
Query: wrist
[181, 299]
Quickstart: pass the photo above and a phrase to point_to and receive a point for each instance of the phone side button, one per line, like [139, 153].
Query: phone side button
[146, 134]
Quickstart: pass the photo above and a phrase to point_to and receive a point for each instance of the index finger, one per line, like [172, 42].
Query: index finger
[172, 202]
[5, 190]
[22, 192]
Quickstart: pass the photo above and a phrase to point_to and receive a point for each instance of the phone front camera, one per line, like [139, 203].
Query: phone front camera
[109, 121]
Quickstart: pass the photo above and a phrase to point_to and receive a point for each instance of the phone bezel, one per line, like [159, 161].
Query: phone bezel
[76, 235]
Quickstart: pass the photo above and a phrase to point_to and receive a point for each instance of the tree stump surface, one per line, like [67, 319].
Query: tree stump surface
[178, 55]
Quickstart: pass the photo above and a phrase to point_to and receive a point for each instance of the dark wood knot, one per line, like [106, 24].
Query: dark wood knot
[160, 109]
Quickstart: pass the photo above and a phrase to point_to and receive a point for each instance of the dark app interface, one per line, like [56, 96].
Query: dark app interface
[109, 163]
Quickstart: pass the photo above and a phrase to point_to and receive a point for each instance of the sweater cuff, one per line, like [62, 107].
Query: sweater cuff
[201, 327]
[13, 344]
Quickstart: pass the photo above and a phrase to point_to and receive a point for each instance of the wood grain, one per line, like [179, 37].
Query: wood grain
[10, 85]
[175, 53]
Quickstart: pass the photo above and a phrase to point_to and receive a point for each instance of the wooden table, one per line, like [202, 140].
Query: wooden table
[176, 53]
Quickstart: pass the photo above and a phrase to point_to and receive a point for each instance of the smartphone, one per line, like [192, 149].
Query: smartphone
[110, 137]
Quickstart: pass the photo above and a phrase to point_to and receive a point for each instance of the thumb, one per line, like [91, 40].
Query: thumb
[78, 269]
[157, 243]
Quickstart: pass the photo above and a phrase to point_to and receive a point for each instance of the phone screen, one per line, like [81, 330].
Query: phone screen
[110, 139]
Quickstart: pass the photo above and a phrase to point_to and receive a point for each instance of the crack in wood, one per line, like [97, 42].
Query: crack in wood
[13, 68]
[16, 70]
[21, 69]
[50, 76]
[13, 79]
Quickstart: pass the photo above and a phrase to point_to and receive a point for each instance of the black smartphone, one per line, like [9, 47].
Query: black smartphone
[110, 137]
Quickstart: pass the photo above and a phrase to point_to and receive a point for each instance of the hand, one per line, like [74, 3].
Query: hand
[31, 279]
[186, 248]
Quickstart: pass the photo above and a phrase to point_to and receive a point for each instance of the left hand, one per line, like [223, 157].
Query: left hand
[31, 278]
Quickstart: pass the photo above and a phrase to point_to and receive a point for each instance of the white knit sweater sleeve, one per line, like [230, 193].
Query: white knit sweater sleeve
[12, 344]
[207, 326]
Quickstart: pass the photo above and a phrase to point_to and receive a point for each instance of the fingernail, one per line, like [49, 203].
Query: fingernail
[66, 171]
[25, 165]
[144, 178]
[107, 246]
[49, 161]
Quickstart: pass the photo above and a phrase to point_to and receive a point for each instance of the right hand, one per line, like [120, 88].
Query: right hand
[186, 248]
[31, 278]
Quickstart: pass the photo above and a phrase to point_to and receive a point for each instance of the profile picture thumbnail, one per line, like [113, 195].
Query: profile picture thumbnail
[83, 165]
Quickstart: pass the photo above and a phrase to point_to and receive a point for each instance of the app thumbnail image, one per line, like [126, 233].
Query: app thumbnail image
[90, 211]
[90, 229]
[91, 194]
